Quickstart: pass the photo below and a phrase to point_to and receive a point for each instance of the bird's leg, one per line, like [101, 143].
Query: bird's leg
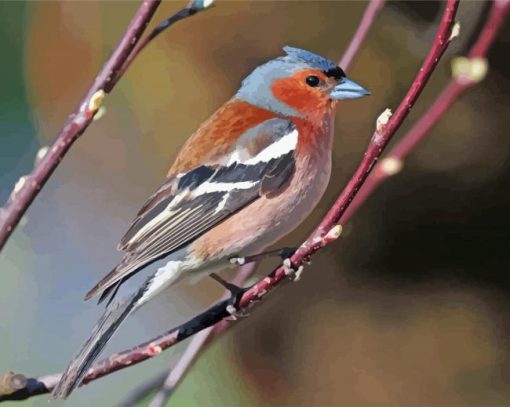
[236, 293]
[283, 253]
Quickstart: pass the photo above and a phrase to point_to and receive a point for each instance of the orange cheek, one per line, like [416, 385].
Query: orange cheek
[296, 94]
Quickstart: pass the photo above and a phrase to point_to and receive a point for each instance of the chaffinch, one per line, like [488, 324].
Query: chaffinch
[249, 175]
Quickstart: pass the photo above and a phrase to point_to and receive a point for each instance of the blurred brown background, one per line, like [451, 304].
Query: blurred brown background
[407, 309]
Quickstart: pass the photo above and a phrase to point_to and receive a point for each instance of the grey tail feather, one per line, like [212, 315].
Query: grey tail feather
[112, 318]
[110, 292]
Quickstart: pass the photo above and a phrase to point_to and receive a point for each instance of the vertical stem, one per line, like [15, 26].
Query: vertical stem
[369, 16]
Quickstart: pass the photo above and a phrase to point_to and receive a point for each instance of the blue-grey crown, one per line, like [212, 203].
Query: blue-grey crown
[312, 60]
[256, 88]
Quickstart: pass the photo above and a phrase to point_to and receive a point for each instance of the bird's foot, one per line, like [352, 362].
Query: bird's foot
[283, 253]
[236, 294]
[293, 273]
[236, 313]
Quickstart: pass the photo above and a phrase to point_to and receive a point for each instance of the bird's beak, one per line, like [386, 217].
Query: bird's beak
[348, 89]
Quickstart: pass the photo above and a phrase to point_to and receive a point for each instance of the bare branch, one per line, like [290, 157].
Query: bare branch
[371, 12]
[193, 7]
[327, 231]
[206, 336]
[145, 389]
[196, 345]
[472, 70]
[28, 186]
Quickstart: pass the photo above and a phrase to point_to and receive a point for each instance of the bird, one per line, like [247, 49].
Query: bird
[248, 176]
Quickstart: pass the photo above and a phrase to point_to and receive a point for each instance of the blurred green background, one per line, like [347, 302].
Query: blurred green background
[407, 309]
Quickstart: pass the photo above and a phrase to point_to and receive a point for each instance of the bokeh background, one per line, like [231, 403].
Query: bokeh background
[409, 308]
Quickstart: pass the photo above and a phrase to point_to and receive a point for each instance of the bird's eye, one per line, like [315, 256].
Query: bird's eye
[312, 81]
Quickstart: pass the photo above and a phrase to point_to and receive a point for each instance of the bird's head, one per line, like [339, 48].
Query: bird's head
[300, 84]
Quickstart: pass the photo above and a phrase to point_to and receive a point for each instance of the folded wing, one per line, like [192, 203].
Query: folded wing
[188, 205]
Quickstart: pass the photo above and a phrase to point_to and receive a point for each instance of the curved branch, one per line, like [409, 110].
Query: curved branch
[28, 186]
[196, 344]
[203, 338]
[371, 12]
[193, 7]
[471, 72]
[327, 231]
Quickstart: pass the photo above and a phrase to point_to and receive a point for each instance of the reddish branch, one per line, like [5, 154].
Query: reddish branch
[462, 80]
[168, 384]
[193, 7]
[327, 231]
[28, 187]
[202, 338]
[371, 12]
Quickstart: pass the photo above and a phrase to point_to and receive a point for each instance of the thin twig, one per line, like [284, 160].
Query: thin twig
[170, 379]
[467, 73]
[327, 231]
[195, 346]
[28, 186]
[371, 12]
[144, 390]
[193, 7]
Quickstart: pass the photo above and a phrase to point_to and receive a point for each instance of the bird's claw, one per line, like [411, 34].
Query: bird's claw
[291, 272]
[235, 312]
[298, 273]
